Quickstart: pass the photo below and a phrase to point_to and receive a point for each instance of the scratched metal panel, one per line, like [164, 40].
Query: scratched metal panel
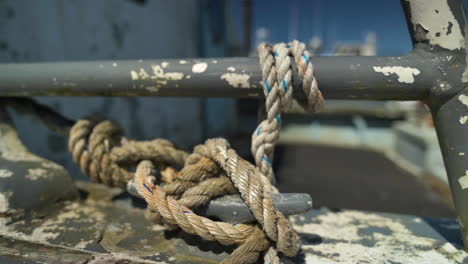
[54, 30]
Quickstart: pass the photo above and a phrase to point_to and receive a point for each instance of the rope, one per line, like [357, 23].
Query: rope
[251, 238]
[105, 155]
[212, 170]
[277, 71]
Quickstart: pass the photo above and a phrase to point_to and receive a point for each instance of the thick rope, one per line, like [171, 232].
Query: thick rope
[212, 170]
[277, 71]
[252, 240]
[105, 155]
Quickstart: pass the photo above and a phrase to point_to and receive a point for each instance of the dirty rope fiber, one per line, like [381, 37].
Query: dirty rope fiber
[212, 170]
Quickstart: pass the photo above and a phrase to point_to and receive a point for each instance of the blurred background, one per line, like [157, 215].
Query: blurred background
[367, 155]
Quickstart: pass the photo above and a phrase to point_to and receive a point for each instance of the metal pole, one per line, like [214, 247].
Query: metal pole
[389, 78]
[440, 27]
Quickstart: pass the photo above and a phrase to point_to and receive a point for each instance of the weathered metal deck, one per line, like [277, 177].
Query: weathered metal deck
[106, 226]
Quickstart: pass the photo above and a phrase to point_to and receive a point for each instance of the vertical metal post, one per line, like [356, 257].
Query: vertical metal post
[439, 27]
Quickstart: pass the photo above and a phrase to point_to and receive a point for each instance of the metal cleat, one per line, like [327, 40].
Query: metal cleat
[232, 209]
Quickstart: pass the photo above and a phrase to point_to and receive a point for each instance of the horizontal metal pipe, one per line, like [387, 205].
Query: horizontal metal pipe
[353, 77]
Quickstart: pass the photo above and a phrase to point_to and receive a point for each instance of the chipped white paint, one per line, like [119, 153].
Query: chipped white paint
[199, 67]
[343, 237]
[463, 180]
[183, 62]
[114, 64]
[405, 74]
[441, 26]
[158, 72]
[188, 76]
[461, 154]
[4, 173]
[164, 64]
[35, 174]
[53, 227]
[215, 61]
[231, 69]
[134, 75]
[463, 99]
[4, 204]
[237, 80]
[463, 119]
[140, 75]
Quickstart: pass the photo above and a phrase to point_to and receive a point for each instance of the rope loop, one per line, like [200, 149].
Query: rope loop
[280, 63]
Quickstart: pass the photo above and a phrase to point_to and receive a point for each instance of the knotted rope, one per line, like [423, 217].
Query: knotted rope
[212, 170]
[277, 71]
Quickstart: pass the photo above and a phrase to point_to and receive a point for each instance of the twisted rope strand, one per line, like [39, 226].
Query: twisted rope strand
[251, 238]
[276, 62]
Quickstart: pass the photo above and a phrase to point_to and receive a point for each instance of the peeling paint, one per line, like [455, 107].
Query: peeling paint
[158, 72]
[463, 119]
[405, 74]
[164, 64]
[4, 173]
[114, 64]
[199, 67]
[237, 80]
[463, 180]
[231, 69]
[365, 237]
[463, 99]
[4, 201]
[183, 62]
[461, 154]
[35, 174]
[442, 28]
[134, 75]
[140, 75]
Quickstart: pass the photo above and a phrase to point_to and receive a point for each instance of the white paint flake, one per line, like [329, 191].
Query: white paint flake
[461, 154]
[4, 173]
[463, 180]
[183, 62]
[463, 99]
[134, 75]
[463, 119]
[114, 64]
[237, 80]
[231, 69]
[4, 204]
[199, 67]
[35, 174]
[405, 74]
[164, 64]
[158, 72]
